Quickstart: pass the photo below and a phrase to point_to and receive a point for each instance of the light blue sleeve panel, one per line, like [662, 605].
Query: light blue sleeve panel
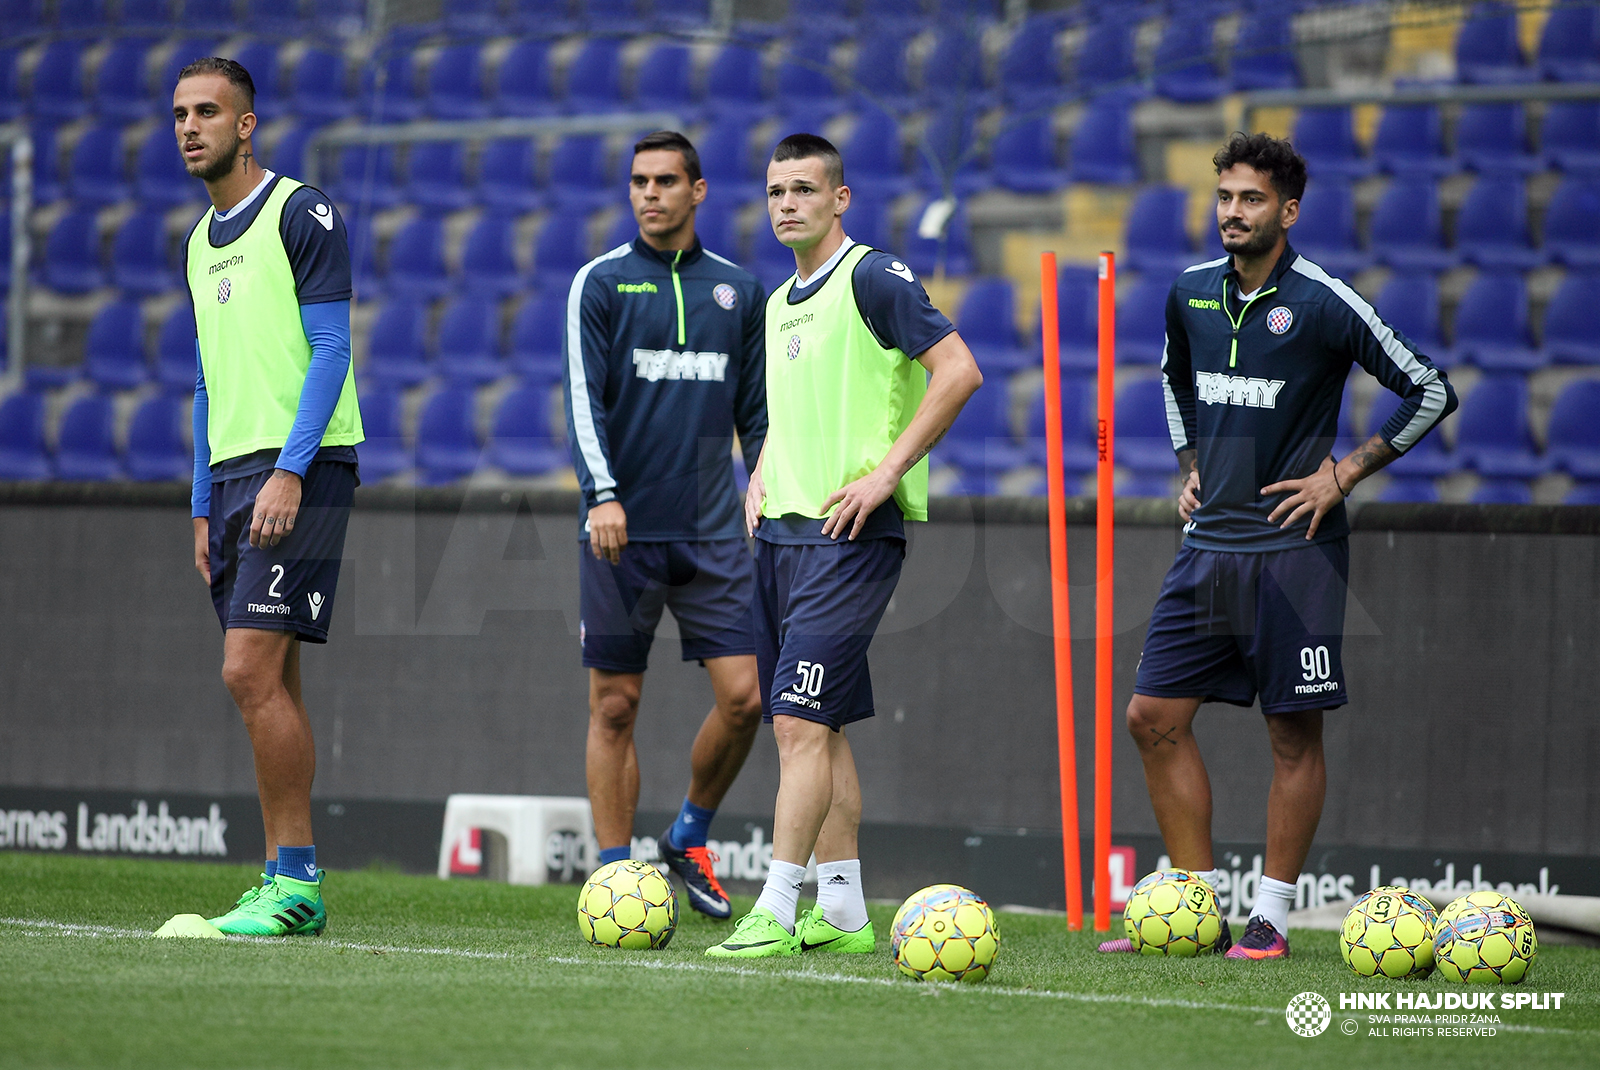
[200, 495]
[327, 327]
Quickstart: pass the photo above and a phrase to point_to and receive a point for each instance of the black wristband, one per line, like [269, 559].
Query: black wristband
[1335, 460]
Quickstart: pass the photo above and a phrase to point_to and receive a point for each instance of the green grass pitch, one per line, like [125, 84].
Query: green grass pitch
[414, 971]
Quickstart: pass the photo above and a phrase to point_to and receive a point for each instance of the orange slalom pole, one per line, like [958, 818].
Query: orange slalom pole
[1105, 562]
[1060, 608]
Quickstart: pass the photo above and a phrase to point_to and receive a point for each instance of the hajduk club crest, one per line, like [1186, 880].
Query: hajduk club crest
[224, 291]
[1279, 320]
[794, 346]
[725, 295]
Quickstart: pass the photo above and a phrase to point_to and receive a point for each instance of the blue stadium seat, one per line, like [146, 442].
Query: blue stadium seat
[1144, 442]
[1080, 451]
[830, 19]
[438, 180]
[182, 53]
[543, 18]
[663, 78]
[1492, 226]
[288, 153]
[272, 17]
[521, 437]
[1487, 49]
[469, 341]
[770, 260]
[980, 440]
[1408, 489]
[1105, 62]
[175, 342]
[1409, 302]
[455, 84]
[1142, 319]
[948, 153]
[146, 14]
[536, 337]
[1078, 318]
[1326, 137]
[1426, 458]
[1406, 231]
[216, 15]
[11, 105]
[1493, 139]
[1023, 157]
[85, 449]
[389, 88]
[22, 453]
[868, 221]
[805, 88]
[733, 82]
[80, 15]
[159, 178]
[1573, 441]
[1568, 44]
[260, 58]
[1030, 73]
[1572, 223]
[366, 179]
[1491, 326]
[58, 83]
[715, 225]
[875, 152]
[952, 252]
[139, 261]
[1157, 238]
[395, 345]
[680, 16]
[156, 448]
[1410, 141]
[578, 179]
[522, 85]
[902, 17]
[114, 352]
[47, 186]
[416, 268]
[471, 18]
[507, 178]
[1185, 60]
[22, 17]
[1502, 492]
[1102, 144]
[1326, 230]
[612, 16]
[561, 249]
[880, 74]
[5, 249]
[488, 263]
[119, 85]
[98, 174]
[1492, 433]
[1585, 492]
[987, 321]
[624, 228]
[318, 93]
[594, 77]
[1263, 53]
[1572, 320]
[383, 451]
[72, 254]
[447, 440]
[953, 70]
[724, 150]
[1570, 135]
[345, 17]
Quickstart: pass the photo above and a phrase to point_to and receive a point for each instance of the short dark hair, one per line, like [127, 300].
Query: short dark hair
[812, 147]
[1272, 156]
[675, 142]
[230, 69]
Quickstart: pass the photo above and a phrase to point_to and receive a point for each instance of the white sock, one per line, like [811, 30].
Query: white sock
[1273, 900]
[1210, 876]
[781, 895]
[839, 894]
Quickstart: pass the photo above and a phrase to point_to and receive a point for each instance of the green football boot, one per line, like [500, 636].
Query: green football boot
[816, 934]
[286, 907]
[758, 935]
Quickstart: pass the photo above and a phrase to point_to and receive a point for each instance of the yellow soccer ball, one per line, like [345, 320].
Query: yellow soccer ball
[628, 904]
[1172, 912]
[944, 933]
[1485, 937]
[1389, 931]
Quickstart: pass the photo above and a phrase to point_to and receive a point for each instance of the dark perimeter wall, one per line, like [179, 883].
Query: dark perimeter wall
[1473, 659]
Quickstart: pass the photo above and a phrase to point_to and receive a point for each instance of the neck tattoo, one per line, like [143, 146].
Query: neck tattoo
[244, 159]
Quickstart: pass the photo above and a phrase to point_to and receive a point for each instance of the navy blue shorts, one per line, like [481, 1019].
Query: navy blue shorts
[288, 587]
[816, 610]
[707, 585]
[1231, 625]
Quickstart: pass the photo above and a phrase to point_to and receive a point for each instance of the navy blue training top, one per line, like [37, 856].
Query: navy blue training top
[897, 311]
[1268, 411]
[652, 400]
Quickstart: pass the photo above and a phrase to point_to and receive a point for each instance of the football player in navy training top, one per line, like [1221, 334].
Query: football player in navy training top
[1258, 346]
[664, 362]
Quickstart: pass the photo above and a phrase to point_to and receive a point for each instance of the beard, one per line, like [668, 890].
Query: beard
[217, 168]
[1254, 242]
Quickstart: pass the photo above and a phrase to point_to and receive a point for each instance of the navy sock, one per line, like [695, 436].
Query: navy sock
[271, 871]
[690, 828]
[615, 854]
[299, 863]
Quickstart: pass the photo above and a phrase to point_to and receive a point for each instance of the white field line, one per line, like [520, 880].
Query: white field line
[66, 929]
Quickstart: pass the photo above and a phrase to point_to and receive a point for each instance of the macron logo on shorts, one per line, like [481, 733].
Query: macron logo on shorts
[315, 598]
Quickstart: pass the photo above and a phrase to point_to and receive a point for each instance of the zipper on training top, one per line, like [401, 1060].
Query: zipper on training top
[1233, 347]
[677, 290]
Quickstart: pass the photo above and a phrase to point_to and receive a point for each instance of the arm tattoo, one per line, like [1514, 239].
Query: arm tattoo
[924, 451]
[1372, 455]
[1187, 461]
